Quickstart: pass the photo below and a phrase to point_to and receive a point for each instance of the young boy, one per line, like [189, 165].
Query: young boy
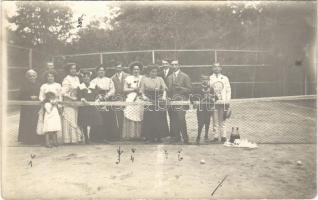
[222, 89]
[206, 98]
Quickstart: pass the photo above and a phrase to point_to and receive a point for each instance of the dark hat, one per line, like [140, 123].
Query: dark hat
[86, 73]
[70, 65]
[100, 67]
[151, 67]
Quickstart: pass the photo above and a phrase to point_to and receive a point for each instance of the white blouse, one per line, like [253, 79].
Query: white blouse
[70, 85]
[133, 81]
[51, 87]
[103, 83]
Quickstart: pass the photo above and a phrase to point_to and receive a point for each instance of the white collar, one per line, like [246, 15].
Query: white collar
[177, 72]
[219, 75]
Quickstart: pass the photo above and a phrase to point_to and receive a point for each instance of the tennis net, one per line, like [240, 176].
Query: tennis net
[272, 120]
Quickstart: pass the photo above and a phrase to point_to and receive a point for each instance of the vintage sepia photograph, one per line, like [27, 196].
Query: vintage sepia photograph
[159, 100]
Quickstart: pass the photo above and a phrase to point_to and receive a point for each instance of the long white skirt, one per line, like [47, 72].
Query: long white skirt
[71, 132]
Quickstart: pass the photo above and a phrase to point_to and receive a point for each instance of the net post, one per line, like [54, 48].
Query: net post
[30, 58]
[305, 84]
[153, 56]
[101, 61]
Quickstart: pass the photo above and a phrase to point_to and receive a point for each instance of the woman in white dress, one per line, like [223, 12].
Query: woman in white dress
[133, 114]
[71, 131]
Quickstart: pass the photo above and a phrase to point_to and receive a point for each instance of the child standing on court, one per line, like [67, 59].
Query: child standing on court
[52, 120]
[205, 98]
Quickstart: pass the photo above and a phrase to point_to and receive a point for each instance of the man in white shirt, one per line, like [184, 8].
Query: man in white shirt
[222, 89]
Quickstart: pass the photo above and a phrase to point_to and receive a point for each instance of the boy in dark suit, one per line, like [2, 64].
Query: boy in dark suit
[179, 88]
[204, 99]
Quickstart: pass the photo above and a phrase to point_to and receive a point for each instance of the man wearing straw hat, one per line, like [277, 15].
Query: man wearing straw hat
[222, 89]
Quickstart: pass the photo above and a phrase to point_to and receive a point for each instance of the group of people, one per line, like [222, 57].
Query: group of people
[59, 119]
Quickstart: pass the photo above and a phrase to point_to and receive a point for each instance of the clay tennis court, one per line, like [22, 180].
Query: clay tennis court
[284, 130]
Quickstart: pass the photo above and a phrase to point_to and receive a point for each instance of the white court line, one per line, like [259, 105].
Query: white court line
[159, 169]
[302, 107]
[302, 116]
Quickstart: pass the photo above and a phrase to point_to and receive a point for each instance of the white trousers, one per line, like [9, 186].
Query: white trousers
[218, 121]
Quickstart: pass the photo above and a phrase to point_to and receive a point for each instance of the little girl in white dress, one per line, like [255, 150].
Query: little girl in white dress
[51, 121]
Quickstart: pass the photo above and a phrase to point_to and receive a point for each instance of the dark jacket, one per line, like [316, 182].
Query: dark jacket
[179, 87]
[162, 74]
[119, 84]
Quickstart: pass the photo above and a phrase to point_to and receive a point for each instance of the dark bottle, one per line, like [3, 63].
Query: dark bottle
[237, 133]
[232, 136]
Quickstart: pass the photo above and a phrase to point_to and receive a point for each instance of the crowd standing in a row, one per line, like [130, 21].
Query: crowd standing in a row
[68, 124]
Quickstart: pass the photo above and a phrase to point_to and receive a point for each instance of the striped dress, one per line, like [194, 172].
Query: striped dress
[71, 131]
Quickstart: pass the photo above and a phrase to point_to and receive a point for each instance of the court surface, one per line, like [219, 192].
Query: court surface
[283, 166]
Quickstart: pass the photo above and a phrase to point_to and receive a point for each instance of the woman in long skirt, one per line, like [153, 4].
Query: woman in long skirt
[71, 131]
[29, 113]
[133, 114]
[105, 89]
[88, 116]
[153, 89]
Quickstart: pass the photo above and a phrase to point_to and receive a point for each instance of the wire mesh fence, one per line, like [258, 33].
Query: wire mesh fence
[19, 60]
[252, 72]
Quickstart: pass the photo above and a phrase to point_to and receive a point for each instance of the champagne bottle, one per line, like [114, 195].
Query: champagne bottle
[232, 136]
[237, 133]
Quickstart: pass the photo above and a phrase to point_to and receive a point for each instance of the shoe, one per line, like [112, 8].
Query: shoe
[223, 139]
[215, 140]
[198, 140]
[48, 146]
[173, 140]
[159, 140]
[186, 142]
[55, 144]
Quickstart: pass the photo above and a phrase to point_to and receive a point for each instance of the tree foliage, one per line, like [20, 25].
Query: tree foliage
[41, 25]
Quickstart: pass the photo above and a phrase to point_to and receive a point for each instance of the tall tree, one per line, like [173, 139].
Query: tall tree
[42, 25]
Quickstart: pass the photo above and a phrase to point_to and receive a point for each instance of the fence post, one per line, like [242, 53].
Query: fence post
[30, 58]
[153, 57]
[101, 61]
[215, 56]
